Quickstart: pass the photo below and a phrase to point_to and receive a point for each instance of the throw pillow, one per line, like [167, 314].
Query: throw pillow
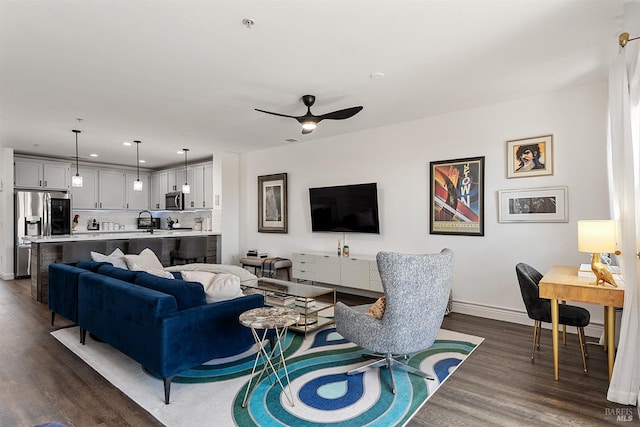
[377, 308]
[146, 259]
[134, 266]
[115, 258]
[217, 287]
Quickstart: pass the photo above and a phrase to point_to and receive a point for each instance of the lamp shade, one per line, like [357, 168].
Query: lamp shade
[597, 236]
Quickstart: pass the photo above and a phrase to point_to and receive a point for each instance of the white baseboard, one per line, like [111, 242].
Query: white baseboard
[6, 276]
[513, 316]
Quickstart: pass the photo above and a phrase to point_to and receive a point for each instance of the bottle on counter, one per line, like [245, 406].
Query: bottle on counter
[345, 249]
[339, 249]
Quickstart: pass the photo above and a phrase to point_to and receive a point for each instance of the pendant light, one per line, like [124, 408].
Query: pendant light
[186, 188]
[76, 181]
[137, 184]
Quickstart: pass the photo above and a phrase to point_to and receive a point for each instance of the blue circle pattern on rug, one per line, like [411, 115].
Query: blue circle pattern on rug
[336, 399]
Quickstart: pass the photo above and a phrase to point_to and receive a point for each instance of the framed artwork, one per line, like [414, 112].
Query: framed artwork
[530, 157]
[272, 203]
[533, 205]
[457, 197]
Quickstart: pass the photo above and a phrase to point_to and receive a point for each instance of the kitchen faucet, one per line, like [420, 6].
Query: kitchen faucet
[150, 227]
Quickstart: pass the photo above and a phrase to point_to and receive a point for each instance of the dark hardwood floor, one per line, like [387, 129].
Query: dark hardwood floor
[41, 381]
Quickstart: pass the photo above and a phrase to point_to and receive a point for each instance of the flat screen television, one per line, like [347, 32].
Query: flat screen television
[345, 208]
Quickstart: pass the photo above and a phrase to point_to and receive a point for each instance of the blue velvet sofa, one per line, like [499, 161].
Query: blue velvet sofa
[164, 324]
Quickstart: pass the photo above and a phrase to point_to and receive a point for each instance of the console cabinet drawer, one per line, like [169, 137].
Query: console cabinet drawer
[304, 274]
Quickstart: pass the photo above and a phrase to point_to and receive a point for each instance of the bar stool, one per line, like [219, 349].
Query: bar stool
[137, 245]
[75, 251]
[190, 249]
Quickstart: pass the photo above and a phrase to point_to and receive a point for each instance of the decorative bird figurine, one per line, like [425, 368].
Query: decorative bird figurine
[603, 275]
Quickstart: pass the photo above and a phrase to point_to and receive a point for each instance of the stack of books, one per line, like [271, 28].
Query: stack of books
[279, 299]
[257, 253]
[305, 302]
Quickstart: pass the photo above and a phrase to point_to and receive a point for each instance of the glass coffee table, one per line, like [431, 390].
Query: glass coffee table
[314, 303]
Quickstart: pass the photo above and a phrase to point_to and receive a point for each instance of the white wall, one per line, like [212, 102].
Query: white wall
[397, 158]
[6, 213]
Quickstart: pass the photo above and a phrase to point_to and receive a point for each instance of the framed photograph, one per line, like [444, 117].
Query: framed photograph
[530, 157]
[457, 197]
[272, 203]
[533, 205]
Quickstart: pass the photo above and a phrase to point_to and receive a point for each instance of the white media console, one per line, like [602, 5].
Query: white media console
[350, 272]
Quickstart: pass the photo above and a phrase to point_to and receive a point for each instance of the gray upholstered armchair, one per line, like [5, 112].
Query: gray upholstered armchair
[417, 289]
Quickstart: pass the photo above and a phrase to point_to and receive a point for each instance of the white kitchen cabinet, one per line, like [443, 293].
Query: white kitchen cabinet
[32, 173]
[194, 188]
[137, 200]
[86, 197]
[158, 189]
[197, 187]
[111, 189]
[207, 188]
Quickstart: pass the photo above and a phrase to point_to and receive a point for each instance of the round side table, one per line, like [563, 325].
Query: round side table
[265, 318]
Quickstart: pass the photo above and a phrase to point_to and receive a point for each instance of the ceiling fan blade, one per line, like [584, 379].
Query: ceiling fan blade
[341, 114]
[276, 114]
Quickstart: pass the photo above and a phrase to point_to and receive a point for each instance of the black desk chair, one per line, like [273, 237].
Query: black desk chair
[539, 310]
[190, 249]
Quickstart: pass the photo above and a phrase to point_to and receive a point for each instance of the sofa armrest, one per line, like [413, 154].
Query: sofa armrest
[63, 289]
[199, 334]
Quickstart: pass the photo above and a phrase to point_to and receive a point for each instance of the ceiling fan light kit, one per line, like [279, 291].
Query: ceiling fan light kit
[309, 121]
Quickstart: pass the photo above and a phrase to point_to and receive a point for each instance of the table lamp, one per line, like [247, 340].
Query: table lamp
[596, 237]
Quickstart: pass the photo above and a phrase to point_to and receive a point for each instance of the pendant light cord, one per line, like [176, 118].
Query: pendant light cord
[138, 159]
[77, 167]
[186, 150]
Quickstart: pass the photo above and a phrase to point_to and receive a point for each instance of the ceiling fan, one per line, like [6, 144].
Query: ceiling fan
[309, 121]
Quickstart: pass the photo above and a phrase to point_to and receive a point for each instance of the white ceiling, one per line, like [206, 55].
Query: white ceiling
[187, 73]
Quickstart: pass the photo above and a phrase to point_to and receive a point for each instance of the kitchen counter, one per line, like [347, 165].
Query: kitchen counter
[120, 234]
[46, 250]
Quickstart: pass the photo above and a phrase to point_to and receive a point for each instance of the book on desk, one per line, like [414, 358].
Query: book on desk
[585, 271]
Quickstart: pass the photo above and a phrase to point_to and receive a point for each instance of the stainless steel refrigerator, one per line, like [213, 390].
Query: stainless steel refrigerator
[38, 213]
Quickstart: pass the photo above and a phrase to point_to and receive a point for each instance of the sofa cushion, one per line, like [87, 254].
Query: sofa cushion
[118, 273]
[217, 287]
[115, 258]
[134, 266]
[187, 294]
[145, 259]
[91, 265]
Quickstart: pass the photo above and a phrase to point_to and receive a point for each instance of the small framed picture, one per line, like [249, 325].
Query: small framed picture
[533, 205]
[272, 203]
[457, 197]
[530, 157]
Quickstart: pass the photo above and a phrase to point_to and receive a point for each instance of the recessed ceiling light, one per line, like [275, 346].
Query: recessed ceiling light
[93, 155]
[128, 144]
[180, 152]
[377, 76]
[143, 161]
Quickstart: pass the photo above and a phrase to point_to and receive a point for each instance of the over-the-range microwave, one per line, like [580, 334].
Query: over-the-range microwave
[174, 201]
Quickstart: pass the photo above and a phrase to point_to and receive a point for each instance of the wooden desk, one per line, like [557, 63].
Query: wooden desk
[563, 283]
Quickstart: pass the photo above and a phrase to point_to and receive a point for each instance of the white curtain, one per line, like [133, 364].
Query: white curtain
[624, 180]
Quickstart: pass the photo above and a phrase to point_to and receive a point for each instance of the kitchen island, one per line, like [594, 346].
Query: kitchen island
[46, 250]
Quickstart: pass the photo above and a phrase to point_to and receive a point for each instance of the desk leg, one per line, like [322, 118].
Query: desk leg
[555, 314]
[605, 342]
[611, 337]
